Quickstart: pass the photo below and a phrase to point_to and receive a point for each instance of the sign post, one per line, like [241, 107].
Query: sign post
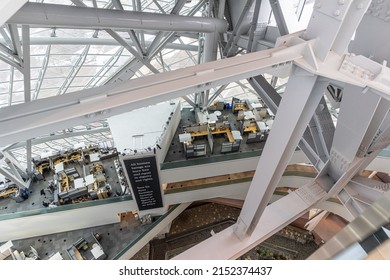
[144, 180]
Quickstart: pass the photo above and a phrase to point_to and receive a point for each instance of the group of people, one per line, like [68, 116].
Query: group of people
[46, 202]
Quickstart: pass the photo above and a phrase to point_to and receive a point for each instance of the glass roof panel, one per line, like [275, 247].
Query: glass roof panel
[57, 72]
[76, 65]
[81, 81]
[40, 32]
[4, 87]
[66, 49]
[74, 33]
[43, 93]
[4, 76]
[52, 83]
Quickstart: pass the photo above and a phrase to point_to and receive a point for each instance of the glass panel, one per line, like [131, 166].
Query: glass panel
[52, 83]
[58, 72]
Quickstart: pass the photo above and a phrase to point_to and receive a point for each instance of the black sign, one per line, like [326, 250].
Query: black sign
[144, 181]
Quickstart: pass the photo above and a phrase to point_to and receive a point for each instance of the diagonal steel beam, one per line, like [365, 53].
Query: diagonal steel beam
[11, 62]
[9, 52]
[64, 135]
[141, 32]
[129, 70]
[279, 17]
[272, 99]
[117, 4]
[216, 94]
[341, 25]
[121, 41]
[108, 65]
[14, 178]
[287, 129]
[189, 101]
[42, 72]
[11, 85]
[51, 15]
[73, 73]
[253, 27]
[233, 39]
[13, 29]
[159, 6]
[98, 103]
[26, 62]
[178, 6]
[136, 42]
[6, 37]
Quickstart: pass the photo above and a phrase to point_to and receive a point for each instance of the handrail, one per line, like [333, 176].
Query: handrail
[92, 203]
[143, 234]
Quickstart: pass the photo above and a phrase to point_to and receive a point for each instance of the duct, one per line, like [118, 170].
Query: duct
[38, 14]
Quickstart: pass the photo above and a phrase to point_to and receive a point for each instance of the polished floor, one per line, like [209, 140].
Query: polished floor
[114, 238]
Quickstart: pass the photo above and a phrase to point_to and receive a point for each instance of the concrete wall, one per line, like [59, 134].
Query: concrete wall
[218, 168]
[234, 190]
[170, 129]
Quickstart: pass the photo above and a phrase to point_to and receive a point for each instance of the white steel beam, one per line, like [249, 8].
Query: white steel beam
[301, 98]
[9, 52]
[6, 38]
[8, 8]
[285, 16]
[97, 42]
[29, 156]
[51, 114]
[11, 158]
[11, 62]
[178, 6]
[272, 99]
[253, 25]
[129, 70]
[11, 85]
[117, 4]
[216, 94]
[279, 17]
[325, 125]
[231, 47]
[13, 176]
[138, 56]
[186, 98]
[136, 53]
[44, 15]
[45, 139]
[368, 223]
[73, 73]
[321, 151]
[362, 193]
[159, 6]
[334, 23]
[42, 73]
[352, 125]
[26, 62]
[13, 30]
[105, 68]
[226, 245]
